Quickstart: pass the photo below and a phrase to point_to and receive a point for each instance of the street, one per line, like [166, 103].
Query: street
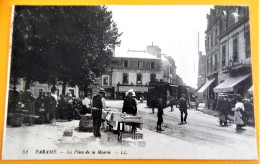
[200, 128]
[200, 138]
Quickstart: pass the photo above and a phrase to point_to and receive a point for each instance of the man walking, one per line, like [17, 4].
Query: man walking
[183, 109]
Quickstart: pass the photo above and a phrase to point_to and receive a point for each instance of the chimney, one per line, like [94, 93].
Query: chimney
[154, 50]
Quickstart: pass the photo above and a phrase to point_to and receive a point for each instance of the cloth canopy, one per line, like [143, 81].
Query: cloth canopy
[229, 83]
[205, 86]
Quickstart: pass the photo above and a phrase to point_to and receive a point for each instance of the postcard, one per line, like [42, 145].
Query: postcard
[130, 82]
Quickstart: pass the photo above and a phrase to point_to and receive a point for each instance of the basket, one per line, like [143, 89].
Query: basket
[17, 119]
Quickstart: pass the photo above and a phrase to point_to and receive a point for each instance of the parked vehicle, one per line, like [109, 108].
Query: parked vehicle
[165, 91]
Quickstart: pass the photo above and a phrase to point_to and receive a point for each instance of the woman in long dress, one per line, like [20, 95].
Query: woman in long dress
[239, 108]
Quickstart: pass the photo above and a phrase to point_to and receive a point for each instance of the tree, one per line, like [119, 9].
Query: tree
[63, 43]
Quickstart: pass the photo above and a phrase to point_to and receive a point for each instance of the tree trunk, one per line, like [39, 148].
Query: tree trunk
[85, 88]
[27, 83]
[64, 87]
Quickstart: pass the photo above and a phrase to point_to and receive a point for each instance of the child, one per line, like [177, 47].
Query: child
[160, 116]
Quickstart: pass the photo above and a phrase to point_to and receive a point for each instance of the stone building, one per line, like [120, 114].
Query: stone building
[228, 51]
[135, 69]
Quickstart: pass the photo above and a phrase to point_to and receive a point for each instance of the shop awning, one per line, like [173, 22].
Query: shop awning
[250, 90]
[229, 83]
[205, 86]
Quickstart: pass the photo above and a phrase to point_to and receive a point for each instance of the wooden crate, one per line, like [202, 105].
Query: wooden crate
[134, 136]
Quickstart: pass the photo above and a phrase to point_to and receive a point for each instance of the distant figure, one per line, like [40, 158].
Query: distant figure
[239, 109]
[172, 103]
[153, 104]
[50, 105]
[28, 101]
[183, 109]
[86, 104]
[63, 107]
[222, 108]
[160, 116]
[14, 98]
[196, 103]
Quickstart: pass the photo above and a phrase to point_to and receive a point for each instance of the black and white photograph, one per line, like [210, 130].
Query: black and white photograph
[130, 82]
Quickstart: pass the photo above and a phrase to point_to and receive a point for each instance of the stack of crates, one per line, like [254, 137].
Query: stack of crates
[134, 138]
[109, 138]
[86, 123]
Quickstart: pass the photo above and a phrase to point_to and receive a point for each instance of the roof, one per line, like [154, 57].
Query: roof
[135, 54]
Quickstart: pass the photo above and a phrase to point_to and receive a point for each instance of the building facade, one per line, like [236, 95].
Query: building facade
[135, 69]
[228, 52]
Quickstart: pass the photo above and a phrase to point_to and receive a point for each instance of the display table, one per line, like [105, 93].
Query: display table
[117, 119]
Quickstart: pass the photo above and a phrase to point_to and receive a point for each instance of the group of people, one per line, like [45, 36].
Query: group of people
[224, 108]
[182, 104]
[47, 106]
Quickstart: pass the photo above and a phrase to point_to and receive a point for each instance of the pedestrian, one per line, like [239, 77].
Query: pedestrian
[153, 104]
[196, 103]
[14, 98]
[221, 107]
[50, 105]
[98, 104]
[63, 107]
[160, 116]
[86, 104]
[70, 106]
[171, 103]
[239, 108]
[183, 109]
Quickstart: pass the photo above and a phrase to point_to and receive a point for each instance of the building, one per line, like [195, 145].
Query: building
[202, 68]
[135, 69]
[228, 52]
[39, 88]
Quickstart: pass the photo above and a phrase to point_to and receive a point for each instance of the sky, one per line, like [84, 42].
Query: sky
[174, 28]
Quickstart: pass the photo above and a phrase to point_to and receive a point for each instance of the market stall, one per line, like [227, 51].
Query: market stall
[117, 120]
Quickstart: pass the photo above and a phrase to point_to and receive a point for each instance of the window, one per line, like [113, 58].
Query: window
[211, 40]
[208, 65]
[105, 80]
[216, 62]
[140, 64]
[170, 69]
[152, 65]
[223, 56]
[125, 63]
[248, 50]
[40, 91]
[139, 79]
[216, 36]
[152, 77]
[235, 50]
[125, 78]
[211, 63]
